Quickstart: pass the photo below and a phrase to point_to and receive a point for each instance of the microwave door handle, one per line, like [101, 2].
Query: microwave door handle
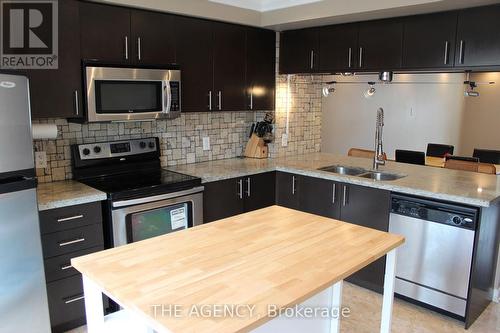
[167, 96]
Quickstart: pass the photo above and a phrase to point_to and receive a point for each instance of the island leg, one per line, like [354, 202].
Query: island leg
[388, 298]
[336, 303]
[93, 306]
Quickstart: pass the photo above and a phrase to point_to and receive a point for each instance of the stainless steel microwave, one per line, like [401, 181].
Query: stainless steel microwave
[131, 93]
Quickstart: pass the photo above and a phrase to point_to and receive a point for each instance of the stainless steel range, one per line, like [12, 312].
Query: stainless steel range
[144, 200]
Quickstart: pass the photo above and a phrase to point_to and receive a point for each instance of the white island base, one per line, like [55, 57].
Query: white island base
[127, 321]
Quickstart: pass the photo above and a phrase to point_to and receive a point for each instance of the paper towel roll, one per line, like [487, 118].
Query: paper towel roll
[44, 131]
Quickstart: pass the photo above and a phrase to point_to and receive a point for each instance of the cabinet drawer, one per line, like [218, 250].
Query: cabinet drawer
[66, 301]
[65, 242]
[70, 217]
[60, 267]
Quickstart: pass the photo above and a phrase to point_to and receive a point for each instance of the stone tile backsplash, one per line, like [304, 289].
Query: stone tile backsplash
[181, 139]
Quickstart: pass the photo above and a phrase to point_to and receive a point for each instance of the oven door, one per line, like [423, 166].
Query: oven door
[128, 94]
[138, 219]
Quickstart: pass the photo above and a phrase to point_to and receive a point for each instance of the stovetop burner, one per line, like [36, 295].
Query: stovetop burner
[141, 183]
[130, 172]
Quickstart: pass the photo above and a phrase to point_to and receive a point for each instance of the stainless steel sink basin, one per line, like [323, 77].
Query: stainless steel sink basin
[344, 170]
[378, 175]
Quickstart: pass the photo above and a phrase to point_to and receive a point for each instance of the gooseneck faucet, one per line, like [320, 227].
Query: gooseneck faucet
[379, 158]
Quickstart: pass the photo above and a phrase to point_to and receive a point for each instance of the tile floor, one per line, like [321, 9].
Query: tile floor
[365, 308]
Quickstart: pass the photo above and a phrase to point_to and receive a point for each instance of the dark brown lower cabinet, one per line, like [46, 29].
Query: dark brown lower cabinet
[370, 208]
[234, 196]
[319, 196]
[68, 232]
[287, 190]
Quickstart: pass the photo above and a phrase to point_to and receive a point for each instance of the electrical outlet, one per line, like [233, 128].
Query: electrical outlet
[284, 140]
[40, 159]
[412, 113]
[206, 143]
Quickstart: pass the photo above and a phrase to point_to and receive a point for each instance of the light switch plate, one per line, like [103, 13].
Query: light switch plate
[40, 159]
[284, 140]
[206, 143]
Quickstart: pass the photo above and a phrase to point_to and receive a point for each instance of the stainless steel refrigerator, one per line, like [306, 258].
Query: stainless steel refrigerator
[23, 295]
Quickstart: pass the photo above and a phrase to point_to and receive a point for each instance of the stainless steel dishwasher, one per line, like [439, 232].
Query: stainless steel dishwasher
[433, 266]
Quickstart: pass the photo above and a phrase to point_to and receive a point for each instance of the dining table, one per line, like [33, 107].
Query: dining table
[440, 161]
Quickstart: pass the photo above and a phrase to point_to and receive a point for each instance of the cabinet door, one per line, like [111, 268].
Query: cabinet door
[319, 196]
[338, 47]
[58, 93]
[429, 41]
[478, 41]
[261, 69]
[105, 32]
[222, 199]
[287, 190]
[152, 38]
[260, 191]
[229, 67]
[299, 51]
[367, 207]
[380, 45]
[195, 58]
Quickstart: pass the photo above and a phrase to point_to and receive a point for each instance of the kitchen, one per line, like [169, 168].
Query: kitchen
[148, 122]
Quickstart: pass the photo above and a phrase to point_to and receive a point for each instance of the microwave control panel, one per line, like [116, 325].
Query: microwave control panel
[175, 92]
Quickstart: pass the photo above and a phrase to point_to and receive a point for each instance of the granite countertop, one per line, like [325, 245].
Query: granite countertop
[66, 193]
[452, 185]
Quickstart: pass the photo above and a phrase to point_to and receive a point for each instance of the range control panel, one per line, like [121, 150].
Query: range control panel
[102, 150]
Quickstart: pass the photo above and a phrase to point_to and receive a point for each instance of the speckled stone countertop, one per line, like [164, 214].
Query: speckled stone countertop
[66, 193]
[452, 185]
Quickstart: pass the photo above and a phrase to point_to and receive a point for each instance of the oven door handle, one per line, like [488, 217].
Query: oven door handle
[139, 201]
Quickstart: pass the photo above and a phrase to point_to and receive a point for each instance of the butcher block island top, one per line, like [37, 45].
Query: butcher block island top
[272, 256]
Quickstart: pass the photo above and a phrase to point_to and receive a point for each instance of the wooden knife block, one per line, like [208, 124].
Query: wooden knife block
[256, 147]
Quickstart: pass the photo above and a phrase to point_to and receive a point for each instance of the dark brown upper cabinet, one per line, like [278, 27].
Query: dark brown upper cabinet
[58, 92]
[429, 41]
[299, 51]
[380, 45]
[105, 33]
[152, 38]
[261, 69]
[478, 40]
[338, 47]
[195, 58]
[229, 67]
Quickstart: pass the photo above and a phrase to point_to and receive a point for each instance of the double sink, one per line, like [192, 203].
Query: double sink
[360, 172]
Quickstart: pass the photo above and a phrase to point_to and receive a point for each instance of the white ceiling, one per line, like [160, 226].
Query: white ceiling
[291, 14]
[264, 5]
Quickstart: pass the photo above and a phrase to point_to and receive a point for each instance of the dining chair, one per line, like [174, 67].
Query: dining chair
[439, 150]
[410, 156]
[365, 153]
[470, 166]
[487, 155]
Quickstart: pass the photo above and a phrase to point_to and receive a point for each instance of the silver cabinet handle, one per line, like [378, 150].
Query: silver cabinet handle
[251, 101]
[77, 103]
[334, 194]
[139, 48]
[248, 187]
[219, 96]
[74, 299]
[360, 57]
[293, 185]
[126, 47]
[240, 188]
[446, 44]
[64, 219]
[312, 59]
[210, 100]
[344, 199]
[350, 57]
[74, 241]
[461, 53]
[65, 267]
